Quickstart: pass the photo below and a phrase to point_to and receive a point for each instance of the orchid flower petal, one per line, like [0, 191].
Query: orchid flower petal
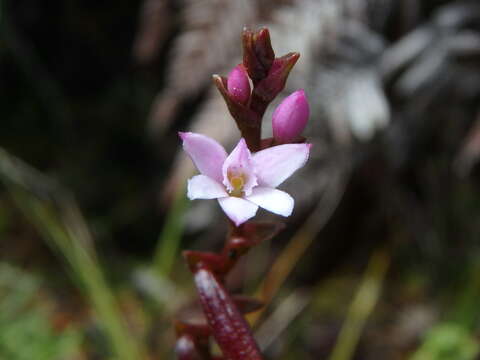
[207, 154]
[274, 165]
[239, 165]
[237, 209]
[203, 187]
[273, 200]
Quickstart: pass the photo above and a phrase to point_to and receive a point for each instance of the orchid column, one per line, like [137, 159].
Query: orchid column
[241, 182]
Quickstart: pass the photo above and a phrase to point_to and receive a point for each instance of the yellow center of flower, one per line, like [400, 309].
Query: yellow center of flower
[237, 183]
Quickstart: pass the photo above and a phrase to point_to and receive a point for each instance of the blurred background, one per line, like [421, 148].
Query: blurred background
[381, 258]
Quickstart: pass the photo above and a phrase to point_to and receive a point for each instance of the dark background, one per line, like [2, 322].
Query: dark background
[92, 94]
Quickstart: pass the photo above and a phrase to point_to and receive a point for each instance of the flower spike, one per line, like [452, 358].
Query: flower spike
[241, 182]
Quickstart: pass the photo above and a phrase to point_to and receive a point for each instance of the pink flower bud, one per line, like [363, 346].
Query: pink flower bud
[238, 85]
[290, 117]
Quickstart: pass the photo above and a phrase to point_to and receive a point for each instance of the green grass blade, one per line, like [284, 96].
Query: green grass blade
[171, 235]
[55, 215]
[361, 307]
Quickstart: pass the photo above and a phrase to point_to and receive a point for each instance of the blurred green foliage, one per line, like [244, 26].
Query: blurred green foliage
[448, 342]
[26, 331]
[54, 213]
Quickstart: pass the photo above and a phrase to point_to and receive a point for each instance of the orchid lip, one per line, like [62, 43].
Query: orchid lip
[237, 183]
[238, 170]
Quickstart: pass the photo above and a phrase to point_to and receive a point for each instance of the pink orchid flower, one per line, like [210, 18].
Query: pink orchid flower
[242, 181]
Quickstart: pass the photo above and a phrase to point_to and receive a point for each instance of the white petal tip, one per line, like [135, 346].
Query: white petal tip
[238, 223]
[286, 212]
[237, 209]
[273, 200]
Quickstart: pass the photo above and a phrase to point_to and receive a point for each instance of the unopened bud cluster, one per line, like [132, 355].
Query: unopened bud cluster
[268, 75]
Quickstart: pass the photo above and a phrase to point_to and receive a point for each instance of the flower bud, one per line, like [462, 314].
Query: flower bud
[258, 54]
[290, 117]
[263, 48]
[238, 85]
[269, 87]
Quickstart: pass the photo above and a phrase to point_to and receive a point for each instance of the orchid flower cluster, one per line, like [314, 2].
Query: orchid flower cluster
[241, 182]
